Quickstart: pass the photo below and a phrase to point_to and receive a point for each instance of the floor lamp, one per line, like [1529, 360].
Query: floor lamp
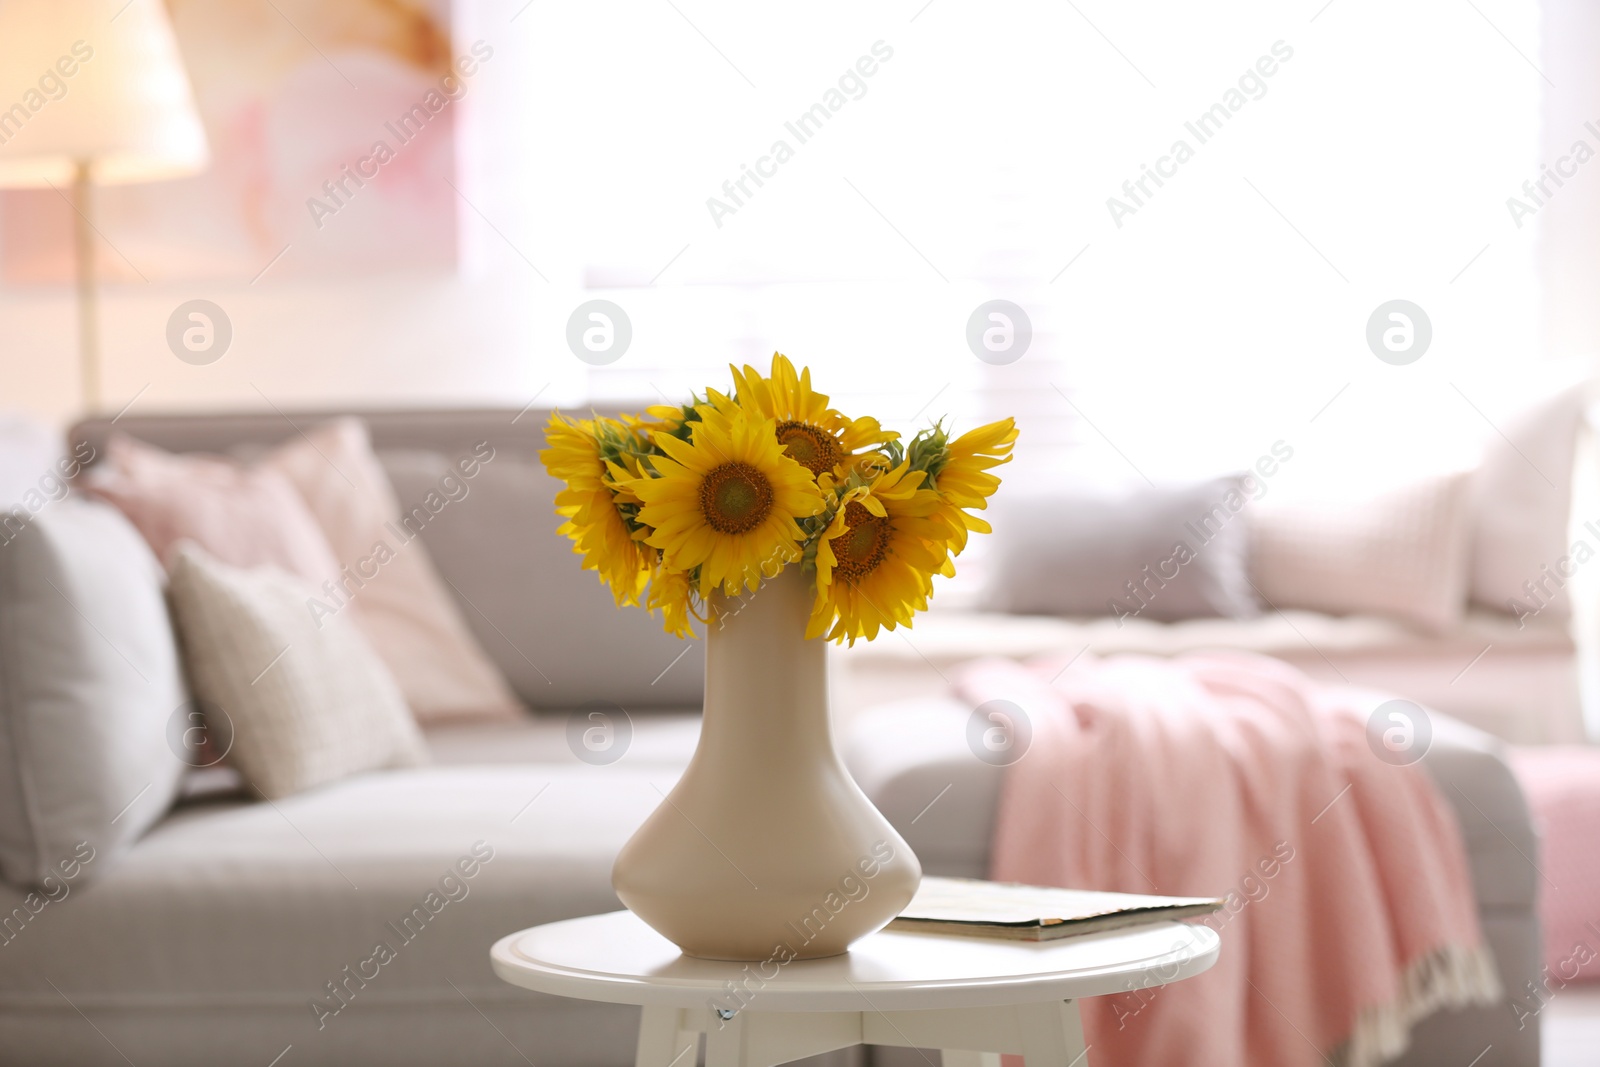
[93, 92]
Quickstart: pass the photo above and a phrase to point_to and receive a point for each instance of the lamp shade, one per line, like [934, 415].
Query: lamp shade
[94, 82]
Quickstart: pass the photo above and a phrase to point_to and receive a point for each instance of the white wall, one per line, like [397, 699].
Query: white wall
[1569, 256]
[394, 338]
[1136, 310]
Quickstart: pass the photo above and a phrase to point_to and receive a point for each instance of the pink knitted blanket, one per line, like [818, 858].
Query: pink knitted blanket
[1350, 912]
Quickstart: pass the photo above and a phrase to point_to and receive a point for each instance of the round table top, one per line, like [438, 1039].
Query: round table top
[617, 959]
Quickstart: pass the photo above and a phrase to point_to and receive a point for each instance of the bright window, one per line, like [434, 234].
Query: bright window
[1332, 157]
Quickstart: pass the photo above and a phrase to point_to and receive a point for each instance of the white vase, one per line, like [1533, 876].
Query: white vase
[766, 849]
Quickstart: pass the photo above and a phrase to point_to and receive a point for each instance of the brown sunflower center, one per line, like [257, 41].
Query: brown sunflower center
[863, 544]
[735, 498]
[810, 446]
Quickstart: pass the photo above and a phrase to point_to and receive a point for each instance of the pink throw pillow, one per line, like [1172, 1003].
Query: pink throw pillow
[243, 516]
[401, 603]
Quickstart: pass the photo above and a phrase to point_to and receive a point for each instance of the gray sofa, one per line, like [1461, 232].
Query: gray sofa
[216, 938]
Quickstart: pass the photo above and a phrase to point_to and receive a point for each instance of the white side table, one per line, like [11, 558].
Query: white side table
[973, 998]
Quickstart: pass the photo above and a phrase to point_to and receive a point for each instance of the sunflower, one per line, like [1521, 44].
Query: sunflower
[876, 558]
[959, 472]
[726, 501]
[600, 533]
[811, 433]
[674, 419]
[721, 492]
[672, 595]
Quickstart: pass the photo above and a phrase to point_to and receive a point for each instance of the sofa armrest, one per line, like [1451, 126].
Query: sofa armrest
[913, 760]
[1472, 772]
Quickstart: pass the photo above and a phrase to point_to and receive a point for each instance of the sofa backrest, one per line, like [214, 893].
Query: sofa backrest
[550, 626]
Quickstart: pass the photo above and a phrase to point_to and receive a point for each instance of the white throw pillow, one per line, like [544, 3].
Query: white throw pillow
[1400, 552]
[308, 702]
[1521, 501]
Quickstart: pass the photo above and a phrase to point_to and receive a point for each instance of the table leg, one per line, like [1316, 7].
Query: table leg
[662, 1043]
[1052, 1035]
[951, 1057]
[729, 1045]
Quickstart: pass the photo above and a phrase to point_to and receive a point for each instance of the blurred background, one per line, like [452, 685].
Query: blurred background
[1337, 254]
[975, 163]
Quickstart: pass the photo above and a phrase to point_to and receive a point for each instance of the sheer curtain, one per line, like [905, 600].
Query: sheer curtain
[1198, 207]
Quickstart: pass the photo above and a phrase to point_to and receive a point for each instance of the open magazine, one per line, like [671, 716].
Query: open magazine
[970, 908]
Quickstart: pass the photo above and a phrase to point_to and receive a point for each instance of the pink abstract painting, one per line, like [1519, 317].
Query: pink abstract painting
[333, 151]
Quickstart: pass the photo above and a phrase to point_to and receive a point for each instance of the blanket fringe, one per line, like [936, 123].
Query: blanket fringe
[1453, 977]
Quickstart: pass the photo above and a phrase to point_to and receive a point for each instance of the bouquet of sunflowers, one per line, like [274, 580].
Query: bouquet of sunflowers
[718, 494]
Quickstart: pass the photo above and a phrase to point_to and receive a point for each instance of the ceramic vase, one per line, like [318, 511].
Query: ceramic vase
[766, 849]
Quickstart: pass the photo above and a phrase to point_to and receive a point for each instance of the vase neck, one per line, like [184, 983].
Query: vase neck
[766, 684]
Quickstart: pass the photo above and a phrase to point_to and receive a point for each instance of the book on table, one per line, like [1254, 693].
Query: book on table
[970, 908]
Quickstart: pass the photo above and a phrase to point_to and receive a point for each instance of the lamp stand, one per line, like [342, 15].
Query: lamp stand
[88, 312]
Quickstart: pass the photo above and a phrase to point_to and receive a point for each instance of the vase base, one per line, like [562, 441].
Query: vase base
[764, 957]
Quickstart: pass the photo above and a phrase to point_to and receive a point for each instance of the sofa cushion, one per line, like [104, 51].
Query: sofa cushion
[642, 737]
[89, 681]
[254, 904]
[302, 697]
[955, 636]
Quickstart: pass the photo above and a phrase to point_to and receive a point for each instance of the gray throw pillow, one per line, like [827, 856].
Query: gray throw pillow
[1165, 552]
[89, 680]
